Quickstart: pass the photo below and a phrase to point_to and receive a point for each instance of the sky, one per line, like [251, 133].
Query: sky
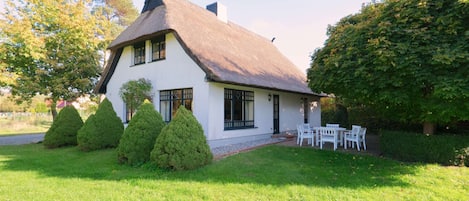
[299, 26]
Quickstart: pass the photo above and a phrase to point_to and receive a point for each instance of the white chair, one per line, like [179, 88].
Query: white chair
[306, 133]
[299, 133]
[340, 133]
[328, 135]
[362, 137]
[352, 137]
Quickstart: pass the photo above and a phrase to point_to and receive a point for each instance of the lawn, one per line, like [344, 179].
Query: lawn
[30, 172]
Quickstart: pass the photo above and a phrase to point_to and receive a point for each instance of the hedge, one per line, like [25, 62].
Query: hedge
[413, 147]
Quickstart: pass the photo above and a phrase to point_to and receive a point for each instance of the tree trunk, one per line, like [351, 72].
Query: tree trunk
[53, 109]
[429, 128]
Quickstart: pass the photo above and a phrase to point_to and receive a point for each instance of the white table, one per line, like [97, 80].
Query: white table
[340, 132]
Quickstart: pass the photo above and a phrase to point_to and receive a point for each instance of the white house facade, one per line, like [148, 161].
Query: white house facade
[235, 97]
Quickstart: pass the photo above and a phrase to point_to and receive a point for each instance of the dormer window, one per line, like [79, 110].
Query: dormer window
[139, 53]
[158, 48]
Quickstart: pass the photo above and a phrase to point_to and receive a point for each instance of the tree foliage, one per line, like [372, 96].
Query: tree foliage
[64, 129]
[140, 135]
[101, 130]
[182, 145]
[51, 46]
[113, 17]
[407, 59]
[134, 92]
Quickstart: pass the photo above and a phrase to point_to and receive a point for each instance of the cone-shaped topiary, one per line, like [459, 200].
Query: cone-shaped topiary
[86, 134]
[140, 135]
[64, 129]
[182, 145]
[106, 131]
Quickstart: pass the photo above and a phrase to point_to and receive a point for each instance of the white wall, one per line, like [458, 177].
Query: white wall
[175, 72]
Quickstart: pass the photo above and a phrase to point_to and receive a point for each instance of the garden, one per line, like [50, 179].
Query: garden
[274, 172]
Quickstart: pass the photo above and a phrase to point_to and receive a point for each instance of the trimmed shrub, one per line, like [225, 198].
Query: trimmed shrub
[182, 145]
[63, 131]
[86, 134]
[104, 131]
[140, 135]
[414, 147]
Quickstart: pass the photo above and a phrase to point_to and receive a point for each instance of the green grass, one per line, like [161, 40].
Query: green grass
[30, 172]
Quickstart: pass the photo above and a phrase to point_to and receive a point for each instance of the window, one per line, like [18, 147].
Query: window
[139, 53]
[170, 100]
[239, 109]
[158, 48]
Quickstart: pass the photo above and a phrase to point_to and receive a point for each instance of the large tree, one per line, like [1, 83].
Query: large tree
[407, 59]
[51, 46]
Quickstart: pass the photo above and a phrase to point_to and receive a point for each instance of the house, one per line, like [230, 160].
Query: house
[237, 83]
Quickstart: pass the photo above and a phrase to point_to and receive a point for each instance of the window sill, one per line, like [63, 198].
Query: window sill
[156, 60]
[137, 64]
[239, 128]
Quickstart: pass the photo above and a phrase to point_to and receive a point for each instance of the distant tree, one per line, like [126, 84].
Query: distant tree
[140, 135]
[181, 144]
[134, 92]
[52, 48]
[63, 131]
[406, 59]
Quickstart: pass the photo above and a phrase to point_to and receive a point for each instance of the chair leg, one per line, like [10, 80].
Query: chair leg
[364, 144]
[358, 145]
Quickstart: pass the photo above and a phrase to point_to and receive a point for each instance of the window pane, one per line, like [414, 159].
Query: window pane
[188, 104]
[249, 109]
[165, 110]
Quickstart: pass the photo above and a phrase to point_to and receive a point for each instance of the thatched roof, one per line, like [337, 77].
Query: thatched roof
[226, 52]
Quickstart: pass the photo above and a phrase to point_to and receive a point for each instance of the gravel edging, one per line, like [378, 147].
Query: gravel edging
[223, 151]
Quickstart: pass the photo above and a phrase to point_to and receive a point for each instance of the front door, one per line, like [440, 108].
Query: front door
[276, 115]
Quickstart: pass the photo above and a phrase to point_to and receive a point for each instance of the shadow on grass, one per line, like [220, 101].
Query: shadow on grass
[271, 165]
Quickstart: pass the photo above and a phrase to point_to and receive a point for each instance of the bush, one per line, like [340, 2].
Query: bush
[104, 130]
[64, 128]
[182, 145]
[413, 147]
[140, 135]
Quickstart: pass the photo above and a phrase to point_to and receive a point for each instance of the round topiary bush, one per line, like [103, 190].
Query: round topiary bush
[181, 145]
[105, 130]
[64, 129]
[140, 135]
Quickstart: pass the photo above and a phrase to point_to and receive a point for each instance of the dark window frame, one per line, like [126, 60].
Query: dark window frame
[175, 98]
[237, 109]
[158, 48]
[139, 53]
